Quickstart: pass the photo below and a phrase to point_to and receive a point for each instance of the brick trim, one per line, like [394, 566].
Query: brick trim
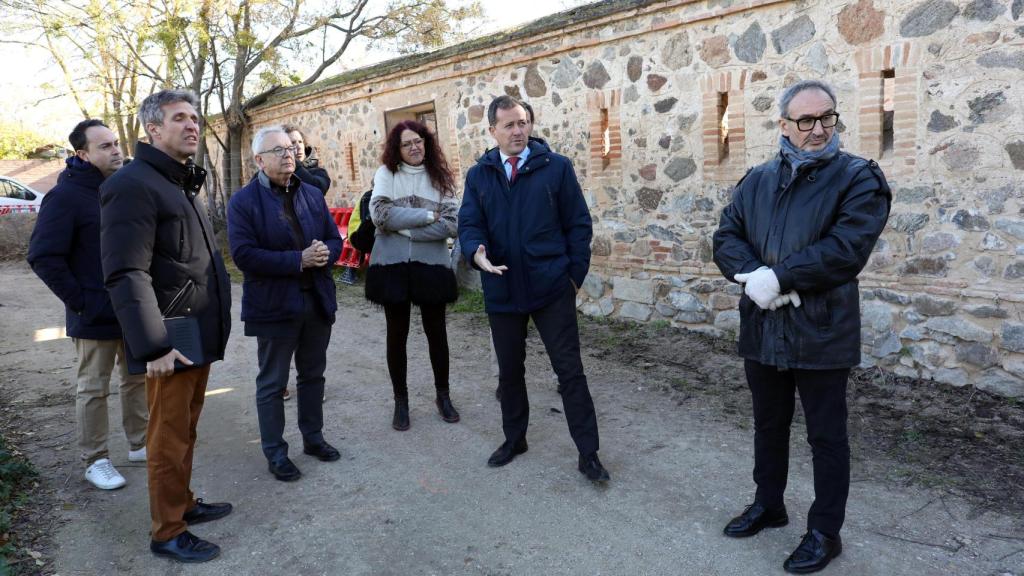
[904, 59]
[719, 166]
[605, 119]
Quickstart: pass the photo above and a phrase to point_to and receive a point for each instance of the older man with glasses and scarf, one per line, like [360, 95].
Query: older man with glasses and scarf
[284, 240]
[799, 229]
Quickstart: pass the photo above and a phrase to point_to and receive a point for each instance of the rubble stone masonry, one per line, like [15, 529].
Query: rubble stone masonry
[663, 106]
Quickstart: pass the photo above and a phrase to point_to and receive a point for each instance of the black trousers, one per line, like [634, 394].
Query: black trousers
[823, 396]
[397, 317]
[306, 339]
[556, 324]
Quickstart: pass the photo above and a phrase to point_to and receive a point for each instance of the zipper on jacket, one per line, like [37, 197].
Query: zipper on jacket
[178, 298]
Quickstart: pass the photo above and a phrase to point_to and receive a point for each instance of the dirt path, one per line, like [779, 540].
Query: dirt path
[675, 436]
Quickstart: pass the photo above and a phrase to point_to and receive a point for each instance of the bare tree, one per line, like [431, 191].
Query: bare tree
[257, 37]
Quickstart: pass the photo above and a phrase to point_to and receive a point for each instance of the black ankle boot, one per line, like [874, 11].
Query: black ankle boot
[446, 409]
[401, 420]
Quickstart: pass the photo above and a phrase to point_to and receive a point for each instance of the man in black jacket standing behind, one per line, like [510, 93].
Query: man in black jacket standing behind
[798, 231]
[160, 259]
[65, 253]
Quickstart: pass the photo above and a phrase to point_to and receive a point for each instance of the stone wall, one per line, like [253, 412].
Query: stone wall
[663, 106]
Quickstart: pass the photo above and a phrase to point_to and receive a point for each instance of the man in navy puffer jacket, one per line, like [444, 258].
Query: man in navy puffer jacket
[525, 225]
[65, 253]
[284, 240]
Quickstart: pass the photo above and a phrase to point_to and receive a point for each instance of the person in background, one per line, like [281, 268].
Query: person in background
[64, 252]
[161, 259]
[799, 229]
[283, 239]
[307, 165]
[414, 209]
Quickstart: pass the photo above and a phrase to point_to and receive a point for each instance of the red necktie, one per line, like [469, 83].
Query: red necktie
[512, 161]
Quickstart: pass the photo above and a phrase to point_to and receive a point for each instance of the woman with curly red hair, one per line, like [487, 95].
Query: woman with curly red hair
[415, 211]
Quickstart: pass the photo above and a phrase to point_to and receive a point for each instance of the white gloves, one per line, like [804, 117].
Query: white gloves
[790, 297]
[762, 286]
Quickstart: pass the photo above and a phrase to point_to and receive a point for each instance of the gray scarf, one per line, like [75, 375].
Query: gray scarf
[798, 158]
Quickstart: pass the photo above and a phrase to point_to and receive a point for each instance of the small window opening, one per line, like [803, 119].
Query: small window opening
[351, 162]
[723, 126]
[606, 139]
[888, 111]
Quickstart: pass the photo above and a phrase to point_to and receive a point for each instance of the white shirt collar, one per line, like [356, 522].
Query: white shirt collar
[522, 156]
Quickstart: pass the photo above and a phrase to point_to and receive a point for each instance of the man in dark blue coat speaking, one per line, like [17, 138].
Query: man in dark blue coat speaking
[798, 231]
[525, 225]
[65, 253]
[284, 240]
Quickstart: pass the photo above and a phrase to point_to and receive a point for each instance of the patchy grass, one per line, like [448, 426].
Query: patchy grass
[229, 264]
[470, 301]
[17, 480]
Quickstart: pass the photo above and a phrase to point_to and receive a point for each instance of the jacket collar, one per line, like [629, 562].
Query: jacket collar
[81, 173]
[264, 180]
[189, 176]
[538, 147]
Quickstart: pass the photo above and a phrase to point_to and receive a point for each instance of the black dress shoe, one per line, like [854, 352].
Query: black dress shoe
[754, 519]
[401, 420]
[446, 409]
[507, 452]
[591, 467]
[203, 512]
[185, 547]
[322, 451]
[815, 551]
[284, 470]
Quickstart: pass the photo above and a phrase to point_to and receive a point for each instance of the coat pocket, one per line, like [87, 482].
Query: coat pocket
[98, 309]
[495, 287]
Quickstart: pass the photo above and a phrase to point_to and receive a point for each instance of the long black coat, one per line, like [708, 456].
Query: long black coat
[816, 234]
[156, 242]
[65, 252]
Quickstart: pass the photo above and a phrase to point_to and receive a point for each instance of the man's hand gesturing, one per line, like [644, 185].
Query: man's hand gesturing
[481, 261]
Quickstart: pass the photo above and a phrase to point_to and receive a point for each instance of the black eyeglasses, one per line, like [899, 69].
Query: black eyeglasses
[281, 151]
[410, 143]
[807, 124]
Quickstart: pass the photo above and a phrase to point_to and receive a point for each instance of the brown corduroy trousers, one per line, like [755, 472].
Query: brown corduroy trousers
[174, 406]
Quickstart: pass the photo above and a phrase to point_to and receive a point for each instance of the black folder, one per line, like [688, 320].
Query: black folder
[183, 332]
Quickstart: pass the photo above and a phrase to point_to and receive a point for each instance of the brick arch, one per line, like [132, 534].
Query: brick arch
[902, 61]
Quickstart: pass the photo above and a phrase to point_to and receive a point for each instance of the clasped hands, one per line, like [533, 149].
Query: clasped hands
[315, 255]
[762, 286]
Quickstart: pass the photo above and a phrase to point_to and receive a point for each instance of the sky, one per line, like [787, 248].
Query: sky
[32, 90]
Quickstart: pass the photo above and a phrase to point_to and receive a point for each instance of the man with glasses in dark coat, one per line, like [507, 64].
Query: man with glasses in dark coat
[284, 240]
[798, 231]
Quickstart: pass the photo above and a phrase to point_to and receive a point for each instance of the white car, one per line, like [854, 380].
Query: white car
[16, 197]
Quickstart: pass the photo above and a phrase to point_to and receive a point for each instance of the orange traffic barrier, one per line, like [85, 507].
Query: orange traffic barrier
[349, 257]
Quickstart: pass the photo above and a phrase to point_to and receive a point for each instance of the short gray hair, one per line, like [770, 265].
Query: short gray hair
[151, 111]
[789, 93]
[261, 135]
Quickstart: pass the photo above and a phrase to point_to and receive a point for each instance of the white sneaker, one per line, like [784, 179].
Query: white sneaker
[137, 455]
[103, 475]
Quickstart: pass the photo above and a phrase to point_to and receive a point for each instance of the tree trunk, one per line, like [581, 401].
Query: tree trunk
[233, 172]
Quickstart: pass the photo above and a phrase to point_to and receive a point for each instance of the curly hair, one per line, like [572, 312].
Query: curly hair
[433, 160]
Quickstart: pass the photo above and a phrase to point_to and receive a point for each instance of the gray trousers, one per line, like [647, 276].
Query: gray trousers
[306, 338]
